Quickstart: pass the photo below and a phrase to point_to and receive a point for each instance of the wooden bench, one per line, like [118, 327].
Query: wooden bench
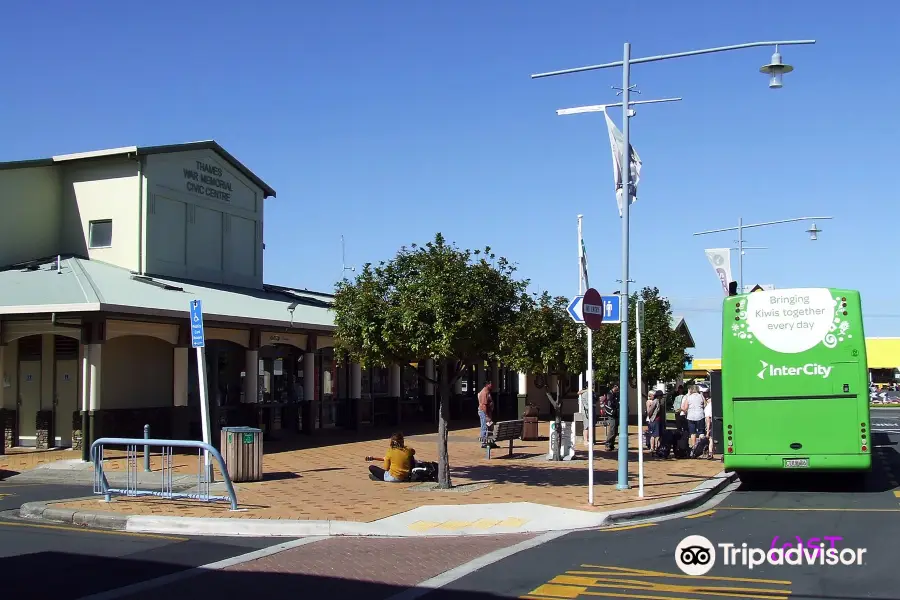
[504, 431]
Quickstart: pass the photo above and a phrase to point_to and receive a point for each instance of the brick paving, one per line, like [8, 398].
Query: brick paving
[339, 568]
[330, 482]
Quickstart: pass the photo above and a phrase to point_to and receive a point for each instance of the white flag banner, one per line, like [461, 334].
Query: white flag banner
[616, 144]
[720, 259]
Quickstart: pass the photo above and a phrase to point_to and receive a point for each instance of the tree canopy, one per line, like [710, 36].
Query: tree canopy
[434, 301]
[543, 339]
[663, 349]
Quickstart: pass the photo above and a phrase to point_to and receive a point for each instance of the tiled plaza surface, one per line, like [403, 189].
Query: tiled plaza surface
[329, 481]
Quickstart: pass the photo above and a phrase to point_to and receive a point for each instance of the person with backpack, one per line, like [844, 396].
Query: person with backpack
[398, 462]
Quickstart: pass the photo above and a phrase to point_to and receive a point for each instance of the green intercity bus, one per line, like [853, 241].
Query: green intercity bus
[795, 381]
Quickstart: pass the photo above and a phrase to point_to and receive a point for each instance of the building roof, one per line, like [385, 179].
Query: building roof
[144, 151]
[883, 352]
[679, 324]
[83, 285]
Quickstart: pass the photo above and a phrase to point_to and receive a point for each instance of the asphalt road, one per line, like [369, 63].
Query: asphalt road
[638, 560]
[43, 560]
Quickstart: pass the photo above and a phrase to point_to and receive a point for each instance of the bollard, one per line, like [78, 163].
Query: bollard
[147, 449]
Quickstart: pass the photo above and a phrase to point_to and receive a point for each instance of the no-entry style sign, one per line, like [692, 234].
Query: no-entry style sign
[592, 309]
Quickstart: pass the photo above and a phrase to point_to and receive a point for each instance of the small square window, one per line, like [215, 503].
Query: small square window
[100, 234]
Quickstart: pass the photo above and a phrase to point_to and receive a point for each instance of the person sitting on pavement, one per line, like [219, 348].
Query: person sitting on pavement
[398, 462]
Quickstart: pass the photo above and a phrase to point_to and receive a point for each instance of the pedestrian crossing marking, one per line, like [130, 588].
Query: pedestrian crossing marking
[485, 523]
[423, 525]
[454, 525]
[481, 524]
[626, 582]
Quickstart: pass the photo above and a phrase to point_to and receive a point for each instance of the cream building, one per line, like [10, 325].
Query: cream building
[101, 254]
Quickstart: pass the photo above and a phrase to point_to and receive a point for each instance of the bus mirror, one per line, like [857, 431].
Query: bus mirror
[732, 288]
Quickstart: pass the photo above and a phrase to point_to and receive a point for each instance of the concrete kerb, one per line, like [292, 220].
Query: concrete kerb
[96, 519]
[692, 499]
[237, 527]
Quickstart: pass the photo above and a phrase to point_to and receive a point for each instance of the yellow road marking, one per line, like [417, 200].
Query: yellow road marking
[422, 525]
[703, 514]
[485, 523]
[810, 509]
[897, 494]
[512, 522]
[577, 584]
[559, 591]
[99, 531]
[651, 586]
[454, 525]
[625, 527]
[647, 573]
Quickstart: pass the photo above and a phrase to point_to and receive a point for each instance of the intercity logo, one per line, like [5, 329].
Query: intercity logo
[809, 369]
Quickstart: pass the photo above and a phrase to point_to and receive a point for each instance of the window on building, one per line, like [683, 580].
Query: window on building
[100, 234]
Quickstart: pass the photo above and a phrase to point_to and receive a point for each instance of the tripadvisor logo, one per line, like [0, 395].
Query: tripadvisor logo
[809, 370]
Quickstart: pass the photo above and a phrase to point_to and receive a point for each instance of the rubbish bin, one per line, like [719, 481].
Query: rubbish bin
[242, 449]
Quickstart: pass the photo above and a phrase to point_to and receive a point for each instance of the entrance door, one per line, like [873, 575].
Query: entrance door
[29, 400]
[66, 399]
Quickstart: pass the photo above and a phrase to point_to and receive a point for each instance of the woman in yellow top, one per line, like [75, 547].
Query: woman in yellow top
[398, 462]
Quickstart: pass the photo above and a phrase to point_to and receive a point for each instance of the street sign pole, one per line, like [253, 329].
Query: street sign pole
[589, 426]
[592, 310]
[640, 330]
[199, 343]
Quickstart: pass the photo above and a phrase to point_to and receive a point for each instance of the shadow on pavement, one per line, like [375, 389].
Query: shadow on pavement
[87, 575]
[885, 467]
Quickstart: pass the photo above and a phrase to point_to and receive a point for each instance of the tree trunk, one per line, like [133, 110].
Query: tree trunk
[443, 426]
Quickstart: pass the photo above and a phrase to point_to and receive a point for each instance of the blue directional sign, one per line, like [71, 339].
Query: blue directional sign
[197, 337]
[611, 314]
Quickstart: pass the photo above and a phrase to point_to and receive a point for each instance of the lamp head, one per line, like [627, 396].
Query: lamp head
[813, 232]
[776, 69]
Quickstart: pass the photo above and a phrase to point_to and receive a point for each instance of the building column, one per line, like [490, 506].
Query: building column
[251, 377]
[95, 363]
[44, 436]
[355, 400]
[429, 373]
[523, 394]
[396, 388]
[181, 421]
[180, 368]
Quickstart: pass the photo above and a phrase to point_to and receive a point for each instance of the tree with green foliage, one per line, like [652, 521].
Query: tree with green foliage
[544, 341]
[663, 351]
[434, 301]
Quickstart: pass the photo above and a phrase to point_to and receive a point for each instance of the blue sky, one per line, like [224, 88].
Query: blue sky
[389, 121]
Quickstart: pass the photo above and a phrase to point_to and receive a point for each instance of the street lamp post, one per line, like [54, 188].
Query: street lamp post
[812, 231]
[775, 69]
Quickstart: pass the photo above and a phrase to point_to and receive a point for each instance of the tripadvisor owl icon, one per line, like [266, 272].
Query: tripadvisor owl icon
[695, 555]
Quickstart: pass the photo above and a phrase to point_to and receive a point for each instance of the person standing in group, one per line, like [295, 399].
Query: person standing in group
[611, 413]
[707, 413]
[485, 413]
[692, 406]
[655, 419]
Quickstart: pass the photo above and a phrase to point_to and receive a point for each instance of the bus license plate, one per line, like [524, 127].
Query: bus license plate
[796, 463]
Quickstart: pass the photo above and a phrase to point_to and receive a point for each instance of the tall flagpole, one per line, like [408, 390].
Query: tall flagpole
[583, 284]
